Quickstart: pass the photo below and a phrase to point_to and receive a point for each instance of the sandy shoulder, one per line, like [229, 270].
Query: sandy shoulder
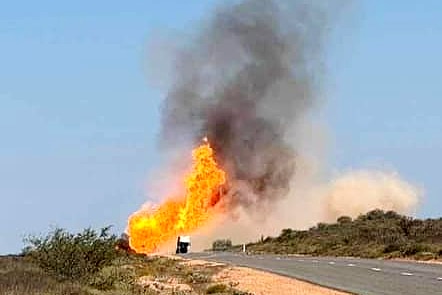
[263, 283]
[260, 282]
[432, 261]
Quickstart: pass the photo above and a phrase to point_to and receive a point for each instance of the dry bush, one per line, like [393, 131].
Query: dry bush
[68, 256]
[20, 277]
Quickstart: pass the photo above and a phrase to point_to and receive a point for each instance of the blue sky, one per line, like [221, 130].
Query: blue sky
[78, 118]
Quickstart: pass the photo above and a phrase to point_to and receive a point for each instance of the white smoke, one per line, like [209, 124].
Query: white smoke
[357, 192]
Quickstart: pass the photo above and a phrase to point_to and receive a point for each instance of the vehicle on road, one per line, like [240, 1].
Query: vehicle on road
[183, 244]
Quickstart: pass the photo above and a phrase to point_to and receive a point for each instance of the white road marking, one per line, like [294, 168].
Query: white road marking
[315, 261]
[375, 269]
[301, 260]
[406, 274]
[278, 258]
[350, 264]
[331, 262]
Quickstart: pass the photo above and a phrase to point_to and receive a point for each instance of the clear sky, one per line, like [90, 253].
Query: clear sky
[78, 119]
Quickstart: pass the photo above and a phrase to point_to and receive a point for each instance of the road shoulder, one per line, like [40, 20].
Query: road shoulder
[264, 283]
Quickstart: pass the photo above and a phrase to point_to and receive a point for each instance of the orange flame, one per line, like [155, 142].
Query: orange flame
[150, 229]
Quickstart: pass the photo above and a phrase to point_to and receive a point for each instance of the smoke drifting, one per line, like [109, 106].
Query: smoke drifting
[360, 191]
[249, 81]
[311, 201]
[252, 74]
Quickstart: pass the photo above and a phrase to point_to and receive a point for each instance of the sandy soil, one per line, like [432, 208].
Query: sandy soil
[263, 283]
[260, 282]
[432, 261]
[196, 262]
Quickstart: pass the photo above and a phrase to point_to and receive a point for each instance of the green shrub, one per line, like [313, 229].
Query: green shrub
[374, 234]
[221, 245]
[424, 256]
[110, 277]
[72, 256]
[198, 278]
[158, 266]
[218, 288]
[411, 249]
[344, 220]
[392, 248]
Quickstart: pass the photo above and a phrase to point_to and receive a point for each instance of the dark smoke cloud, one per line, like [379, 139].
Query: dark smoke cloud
[252, 75]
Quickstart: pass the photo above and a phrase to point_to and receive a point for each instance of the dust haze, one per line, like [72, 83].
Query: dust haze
[249, 79]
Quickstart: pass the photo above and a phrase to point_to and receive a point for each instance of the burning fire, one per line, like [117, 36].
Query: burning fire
[149, 229]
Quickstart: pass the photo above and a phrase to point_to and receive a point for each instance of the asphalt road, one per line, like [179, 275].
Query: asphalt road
[358, 276]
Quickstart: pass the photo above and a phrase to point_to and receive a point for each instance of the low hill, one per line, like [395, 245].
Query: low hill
[372, 235]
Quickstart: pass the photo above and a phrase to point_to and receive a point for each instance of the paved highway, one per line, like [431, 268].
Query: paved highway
[358, 276]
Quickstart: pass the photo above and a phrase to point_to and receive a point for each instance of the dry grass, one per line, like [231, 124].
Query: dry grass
[132, 275]
[141, 275]
[19, 277]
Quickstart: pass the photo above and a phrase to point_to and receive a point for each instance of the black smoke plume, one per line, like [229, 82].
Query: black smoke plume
[249, 77]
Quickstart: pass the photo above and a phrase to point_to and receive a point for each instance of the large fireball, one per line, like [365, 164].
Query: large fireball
[150, 229]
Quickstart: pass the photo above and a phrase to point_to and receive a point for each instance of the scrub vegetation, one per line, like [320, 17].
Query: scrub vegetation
[372, 235]
[89, 263]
